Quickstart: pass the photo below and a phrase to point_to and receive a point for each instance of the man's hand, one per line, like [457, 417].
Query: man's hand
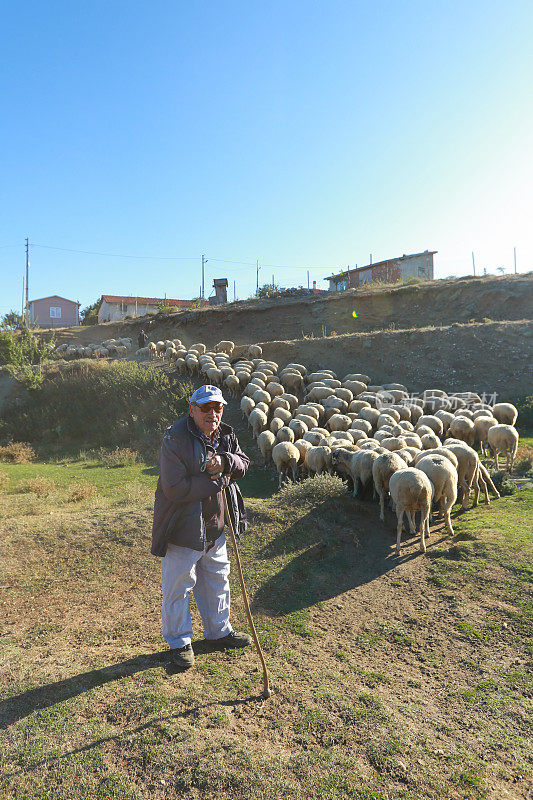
[215, 466]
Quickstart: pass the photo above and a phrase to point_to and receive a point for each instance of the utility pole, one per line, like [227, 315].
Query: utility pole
[204, 262]
[257, 278]
[234, 292]
[307, 280]
[514, 260]
[27, 270]
[474, 263]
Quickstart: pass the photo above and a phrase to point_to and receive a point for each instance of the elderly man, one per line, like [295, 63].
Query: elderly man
[200, 455]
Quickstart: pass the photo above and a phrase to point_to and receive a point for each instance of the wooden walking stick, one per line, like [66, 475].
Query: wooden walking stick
[266, 688]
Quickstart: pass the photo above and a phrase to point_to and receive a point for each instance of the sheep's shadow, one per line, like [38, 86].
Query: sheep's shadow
[338, 549]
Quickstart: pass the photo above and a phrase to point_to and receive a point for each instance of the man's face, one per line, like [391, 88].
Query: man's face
[207, 416]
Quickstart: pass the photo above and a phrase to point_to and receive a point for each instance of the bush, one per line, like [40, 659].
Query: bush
[39, 486]
[524, 404]
[19, 349]
[101, 403]
[312, 490]
[17, 453]
[503, 484]
[119, 457]
[524, 467]
[81, 491]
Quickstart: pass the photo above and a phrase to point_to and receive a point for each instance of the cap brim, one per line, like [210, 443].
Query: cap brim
[210, 400]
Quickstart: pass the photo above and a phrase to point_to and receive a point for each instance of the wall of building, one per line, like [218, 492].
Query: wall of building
[40, 312]
[113, 312]
[391, 271]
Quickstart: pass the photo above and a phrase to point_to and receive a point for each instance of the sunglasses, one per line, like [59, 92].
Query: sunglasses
[206, 407]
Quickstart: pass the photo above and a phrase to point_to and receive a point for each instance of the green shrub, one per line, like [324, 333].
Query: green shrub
[100, 403]
[524, 467]
[503, 484]
[312, 490]
[524, 404]
[19, 349]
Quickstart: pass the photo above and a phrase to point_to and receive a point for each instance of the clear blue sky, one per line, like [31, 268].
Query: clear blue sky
[304, 134]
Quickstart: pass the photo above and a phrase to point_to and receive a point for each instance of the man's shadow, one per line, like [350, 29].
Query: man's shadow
[12, 709]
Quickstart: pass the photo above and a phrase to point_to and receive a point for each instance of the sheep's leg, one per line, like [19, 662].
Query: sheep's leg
[513, 455]
[399, 513]
[496, 458]
[382, 505]
[483, 486]
[424, 528]
[356, 486]
[411, 516]
[447, 507]
[466, 493]
[475, 483]
[488, 480]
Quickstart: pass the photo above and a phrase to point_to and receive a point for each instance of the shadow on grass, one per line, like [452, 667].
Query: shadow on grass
[343, 547]
[13, 709]
[188, 712]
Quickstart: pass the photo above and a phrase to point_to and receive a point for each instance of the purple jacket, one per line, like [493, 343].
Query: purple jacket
[188, 508]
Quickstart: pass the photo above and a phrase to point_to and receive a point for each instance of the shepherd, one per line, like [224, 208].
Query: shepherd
[200, 459]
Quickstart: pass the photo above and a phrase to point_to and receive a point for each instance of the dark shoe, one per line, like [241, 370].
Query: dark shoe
[233, 639]
[183, 656]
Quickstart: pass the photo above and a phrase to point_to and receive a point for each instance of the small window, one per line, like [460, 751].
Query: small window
[55, 313]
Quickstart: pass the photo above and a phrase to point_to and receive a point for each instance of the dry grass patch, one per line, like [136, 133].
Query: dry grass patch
[39, 486]
[17, 453]
[82, 490]
[119, 457]
[4, 479]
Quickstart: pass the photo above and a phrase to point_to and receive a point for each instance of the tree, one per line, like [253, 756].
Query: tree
[89, 315]
[268, 290]
[12, 320]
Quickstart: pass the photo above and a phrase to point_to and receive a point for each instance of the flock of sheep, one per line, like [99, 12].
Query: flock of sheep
[109, 347]
[414, 450]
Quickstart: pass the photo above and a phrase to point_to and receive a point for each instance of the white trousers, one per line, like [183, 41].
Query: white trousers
[207, 574]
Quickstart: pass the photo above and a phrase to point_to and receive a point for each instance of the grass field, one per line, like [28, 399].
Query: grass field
[393, 678]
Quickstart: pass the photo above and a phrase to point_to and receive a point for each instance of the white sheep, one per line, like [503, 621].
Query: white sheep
[462, 428]
[285, 434]
[443, 476]
[291, 399]
[383, 467]
[298, 427]
[265, 442]
[255, 351]
[411, 491]
[276, 424]
[318, 460]
[503, 439]
[257, 420]
[247, 405]
[231, 382]
[225, 347]
[505, 413]
[482, 426]
[286, 456]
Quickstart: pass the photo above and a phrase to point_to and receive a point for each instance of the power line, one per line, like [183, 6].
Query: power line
[114, 255]
[176, 258]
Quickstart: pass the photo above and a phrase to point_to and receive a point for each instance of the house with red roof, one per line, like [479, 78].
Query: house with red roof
[116, 307]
